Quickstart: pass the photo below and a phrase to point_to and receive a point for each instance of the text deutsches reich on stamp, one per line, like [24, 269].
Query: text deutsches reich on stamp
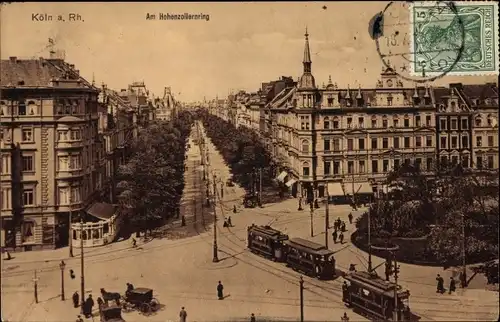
[459, 39]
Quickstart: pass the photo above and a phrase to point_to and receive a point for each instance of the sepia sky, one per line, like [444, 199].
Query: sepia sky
[242, 45]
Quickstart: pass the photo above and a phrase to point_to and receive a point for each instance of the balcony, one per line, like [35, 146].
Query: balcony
[69, 144]
[67, 174]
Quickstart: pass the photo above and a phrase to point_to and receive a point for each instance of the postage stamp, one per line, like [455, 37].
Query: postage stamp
[456, 38]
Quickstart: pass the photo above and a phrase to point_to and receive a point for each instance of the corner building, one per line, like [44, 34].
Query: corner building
[347, 140]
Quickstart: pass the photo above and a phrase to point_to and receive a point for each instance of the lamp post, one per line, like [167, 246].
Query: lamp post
[216, 253]
[62, 265]
[301, 290]
[82, 273]
[35, 285]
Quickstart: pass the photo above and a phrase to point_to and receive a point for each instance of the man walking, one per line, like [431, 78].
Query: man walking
[350, 218]
[334, 235]
[453, 285]
[76, 299]
[341, 238]
[440, 284]
[220, 291]
[182, 315]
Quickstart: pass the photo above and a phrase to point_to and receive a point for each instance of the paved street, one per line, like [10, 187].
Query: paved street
[181, 271]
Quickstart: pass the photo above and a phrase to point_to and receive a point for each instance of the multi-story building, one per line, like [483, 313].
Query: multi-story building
[49, 124]
[349, 138]
[166, 105]
[137, 95]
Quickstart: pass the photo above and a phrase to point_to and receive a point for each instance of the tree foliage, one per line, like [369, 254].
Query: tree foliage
[241, 148]
[151, 181]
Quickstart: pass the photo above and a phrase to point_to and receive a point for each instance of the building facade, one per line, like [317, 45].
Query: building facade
[165, 105]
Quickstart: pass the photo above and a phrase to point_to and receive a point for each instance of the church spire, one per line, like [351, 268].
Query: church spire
[307, 55]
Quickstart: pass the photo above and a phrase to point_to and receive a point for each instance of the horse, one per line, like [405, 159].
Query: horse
[110, 296]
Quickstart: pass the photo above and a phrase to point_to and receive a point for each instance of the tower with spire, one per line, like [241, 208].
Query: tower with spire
[306, 86]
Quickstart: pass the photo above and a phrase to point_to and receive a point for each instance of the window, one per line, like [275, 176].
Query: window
[75, 194]
[396, 164]
[479, 141]
[478, 122]
[361, 144]
[428, 120]
[326, 145]
[374, 166]
[443, 142]
[64, 195]
[479, 162]
[75, 163]
[406, 122]
[491, 162]
[385, 143]
[361, 121]
[21, 108]
[418, 163]
[28, 164]
[62, 135]
[385, 165]
[491, 141]
[384, 123]
[335, 123]
[350, 145]
[454, 124]
[454, 159]
[349, 122]
[396, 143]
[336, 167]
[305, 169]
[75, 135]
[395, 122]
[465, 161]
[28, 197]
[407, 142]
[374, 122]
[336, 145]
[465, 142]
[326, 123]
[326, 167]
[305, 146]
[27, 135]
[5, 164]
[417, 121]
[63, 163]
[429, 164]
[374, 143]
[330, 101]
[418, 141]
[5, 201]
[465, 124]
[361, 165]
[407, 162]
[428, 141]
[389, 101]
[442, 124]
[28, 229]
[350, 167]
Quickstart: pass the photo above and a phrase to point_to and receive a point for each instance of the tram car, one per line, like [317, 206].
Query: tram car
[374, 297]
[311, 258]
[267, 242]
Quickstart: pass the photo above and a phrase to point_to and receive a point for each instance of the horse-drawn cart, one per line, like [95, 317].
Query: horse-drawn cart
[111, 314]
[142, 299]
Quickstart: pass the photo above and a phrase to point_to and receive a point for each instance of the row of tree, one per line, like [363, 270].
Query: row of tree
[241, 148]
[150, 183]
[454, 211]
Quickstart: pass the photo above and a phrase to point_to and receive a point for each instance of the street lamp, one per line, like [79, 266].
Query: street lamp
[62, 265]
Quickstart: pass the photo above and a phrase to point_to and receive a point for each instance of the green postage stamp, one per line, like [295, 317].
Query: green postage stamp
[457, 38]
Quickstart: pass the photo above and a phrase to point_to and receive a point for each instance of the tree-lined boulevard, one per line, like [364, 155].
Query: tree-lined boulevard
[181, 271]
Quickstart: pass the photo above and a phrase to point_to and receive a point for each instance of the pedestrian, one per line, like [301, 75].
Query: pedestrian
[134, 242]
[440, 284]
[343, 227]
[100, 304]
[234, 209]
[72, 274]
[225, 223]
[341, 238]
[252, 317]
[352, 268]
[7, 256]
[79, 318]
[76, 299]
[89, 304]
[220, 291]
[344, 318]
[338, 221]
[453, 286]
[229, 222]
[334, 235]
[345, 287]
[350, 218]
[183, 315]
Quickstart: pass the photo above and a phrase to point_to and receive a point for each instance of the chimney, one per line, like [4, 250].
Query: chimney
[13, 59]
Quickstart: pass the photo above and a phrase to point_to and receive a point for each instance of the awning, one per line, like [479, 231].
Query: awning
[282, 176]
[359, 187]
[335, 189]
[102, 210]
[289, 183]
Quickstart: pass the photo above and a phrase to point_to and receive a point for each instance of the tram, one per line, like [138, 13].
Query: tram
[267, 242]
[374, 297]
[312, 259]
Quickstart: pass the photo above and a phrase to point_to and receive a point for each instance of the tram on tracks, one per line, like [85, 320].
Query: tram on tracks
[375, 297]
[302, 255]
[267, 242]
[311, 258]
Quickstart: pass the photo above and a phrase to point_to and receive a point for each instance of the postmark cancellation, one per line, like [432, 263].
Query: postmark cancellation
[457, 38]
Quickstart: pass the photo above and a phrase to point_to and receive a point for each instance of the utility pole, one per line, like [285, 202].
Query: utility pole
[327, 216]
[369, 241]
[301, 286]
[82, 273]
[260, 187]
[216, 253]
[312, 212]
[464, 255]
[70, 228]
[35, 280]
[396, 271]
